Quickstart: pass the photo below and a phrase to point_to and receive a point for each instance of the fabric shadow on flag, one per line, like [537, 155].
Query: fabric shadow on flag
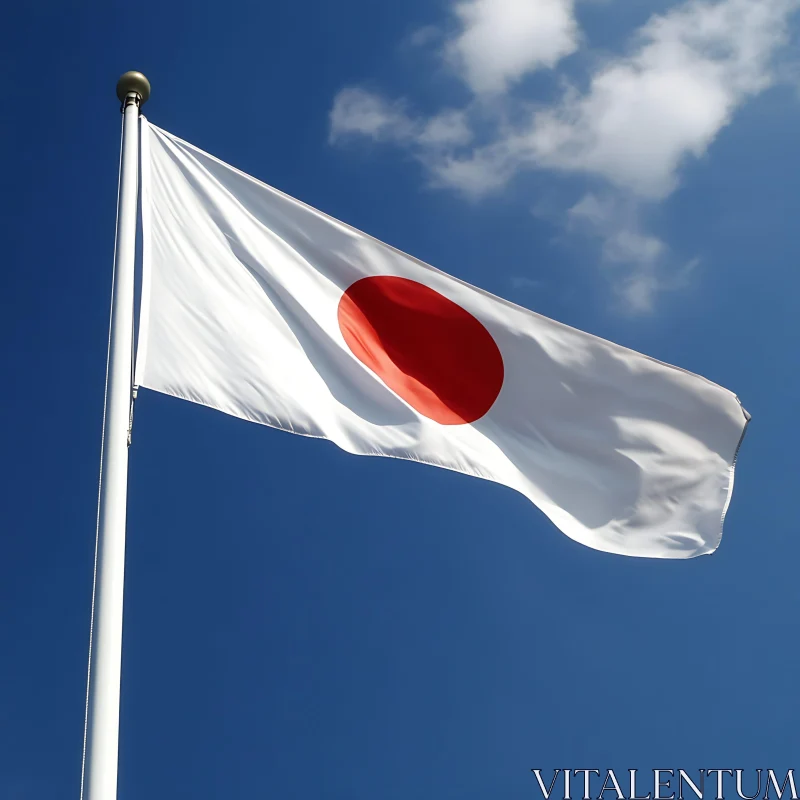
[260, 306]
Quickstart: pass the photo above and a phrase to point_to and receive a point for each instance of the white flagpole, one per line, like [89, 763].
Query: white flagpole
[99, 778]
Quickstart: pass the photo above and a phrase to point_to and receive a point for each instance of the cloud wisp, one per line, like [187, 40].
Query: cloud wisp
[636, 261]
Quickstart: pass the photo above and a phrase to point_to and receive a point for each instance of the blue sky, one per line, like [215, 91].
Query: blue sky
[301, 623]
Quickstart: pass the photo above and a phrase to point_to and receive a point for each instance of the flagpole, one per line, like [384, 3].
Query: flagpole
[99, 776]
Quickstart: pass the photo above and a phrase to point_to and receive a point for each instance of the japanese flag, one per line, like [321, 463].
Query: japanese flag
[255, 304]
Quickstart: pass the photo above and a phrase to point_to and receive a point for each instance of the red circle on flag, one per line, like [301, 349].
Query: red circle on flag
[427, 349]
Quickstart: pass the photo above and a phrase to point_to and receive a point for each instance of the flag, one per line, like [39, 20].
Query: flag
[262, 307]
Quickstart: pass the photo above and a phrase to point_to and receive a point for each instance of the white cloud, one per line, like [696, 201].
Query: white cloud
[449, 128]
[644, 114]
[634, 255]
[617, 223]
[641, 116]
[640, 264]
[484, 171]
[481, 171]
[358, 112]
[638, 118]
[501, 40]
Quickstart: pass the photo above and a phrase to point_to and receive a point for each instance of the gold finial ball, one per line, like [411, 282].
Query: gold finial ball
[133, 81]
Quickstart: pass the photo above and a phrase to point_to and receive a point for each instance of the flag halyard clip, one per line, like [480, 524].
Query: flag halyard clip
[134, 393]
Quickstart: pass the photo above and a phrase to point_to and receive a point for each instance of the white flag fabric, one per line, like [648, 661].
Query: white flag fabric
[255, 304]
